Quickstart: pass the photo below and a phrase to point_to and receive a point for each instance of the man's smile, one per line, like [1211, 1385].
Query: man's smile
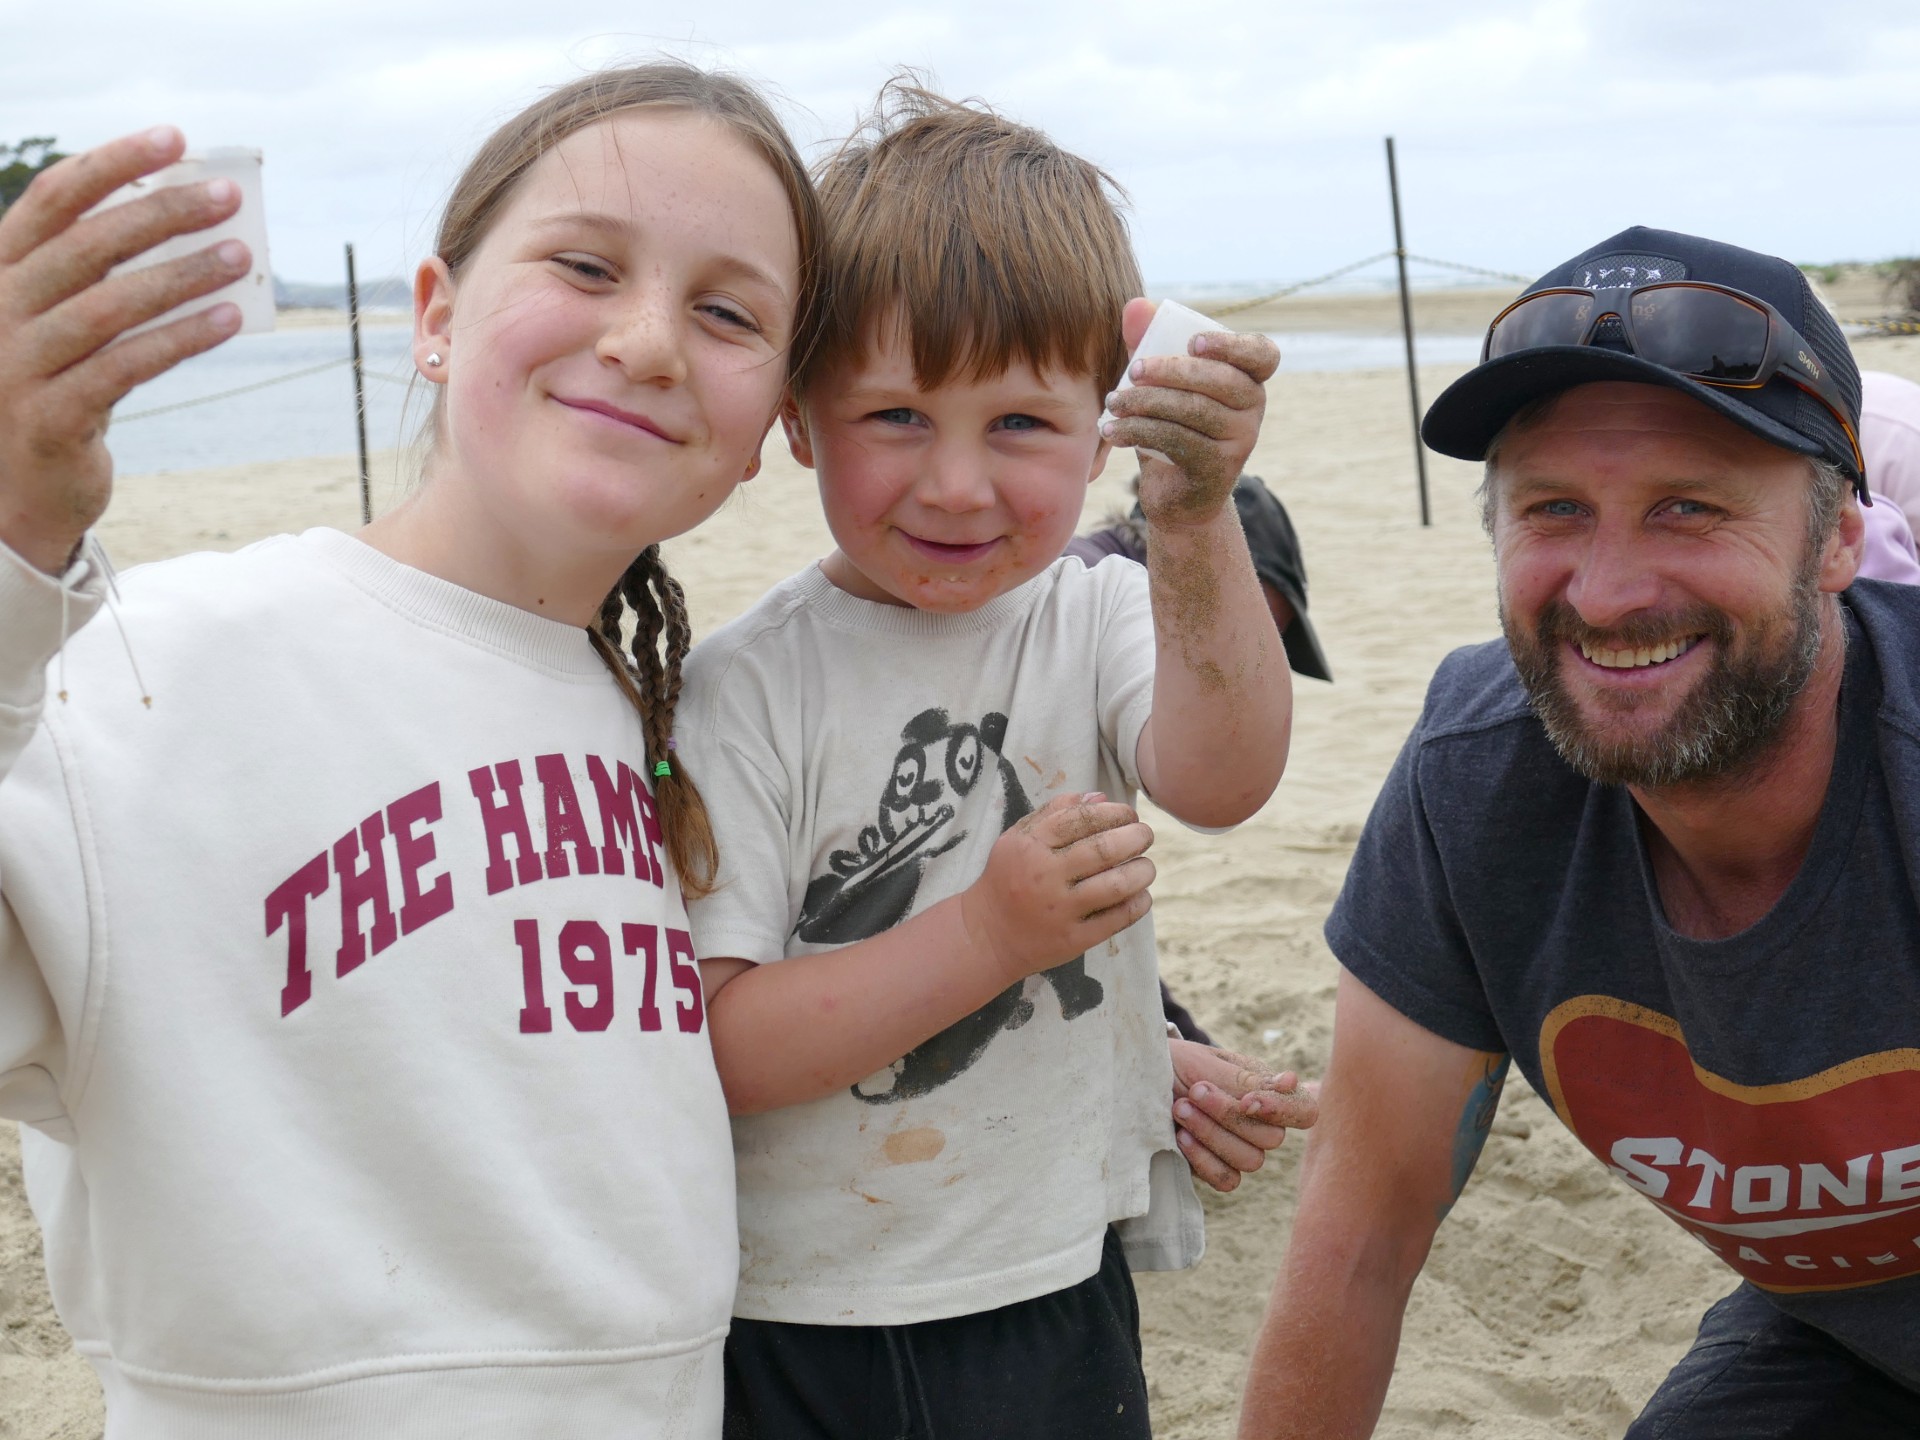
[1635, 658]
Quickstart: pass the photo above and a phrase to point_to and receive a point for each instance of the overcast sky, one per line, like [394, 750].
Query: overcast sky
[1248, 134]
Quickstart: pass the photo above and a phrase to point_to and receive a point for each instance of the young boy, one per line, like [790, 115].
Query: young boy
[907, 751]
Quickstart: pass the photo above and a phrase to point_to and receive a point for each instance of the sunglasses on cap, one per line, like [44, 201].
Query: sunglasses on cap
[1705, 332]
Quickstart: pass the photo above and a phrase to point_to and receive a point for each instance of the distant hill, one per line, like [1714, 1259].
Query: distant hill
[393, 293]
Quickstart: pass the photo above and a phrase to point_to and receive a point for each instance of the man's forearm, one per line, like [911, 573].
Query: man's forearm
[1222, 693]
[1325, 1352]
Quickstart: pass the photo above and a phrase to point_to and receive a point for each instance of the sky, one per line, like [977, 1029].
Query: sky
[1248, 135]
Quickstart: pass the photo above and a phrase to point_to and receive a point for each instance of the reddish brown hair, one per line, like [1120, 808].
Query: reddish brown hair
[988, 242]
[647, 668]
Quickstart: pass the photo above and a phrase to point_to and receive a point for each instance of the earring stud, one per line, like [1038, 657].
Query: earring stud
[433, 358]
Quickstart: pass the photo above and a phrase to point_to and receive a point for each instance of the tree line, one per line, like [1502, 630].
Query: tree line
[20, 163]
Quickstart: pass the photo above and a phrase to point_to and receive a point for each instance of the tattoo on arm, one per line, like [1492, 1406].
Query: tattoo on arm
[1476, 1121]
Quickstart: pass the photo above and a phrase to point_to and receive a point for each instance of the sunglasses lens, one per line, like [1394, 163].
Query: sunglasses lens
[1549, 319]
[1700, 332]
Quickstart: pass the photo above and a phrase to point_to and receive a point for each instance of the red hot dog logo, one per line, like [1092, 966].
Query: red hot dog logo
[1813, 1184]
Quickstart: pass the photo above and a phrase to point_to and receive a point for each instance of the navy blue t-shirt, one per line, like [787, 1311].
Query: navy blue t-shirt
[1762, 1090]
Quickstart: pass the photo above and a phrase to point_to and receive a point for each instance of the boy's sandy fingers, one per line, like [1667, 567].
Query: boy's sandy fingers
[80, 258]
[1253, 355]
[1219, 1139]
[1209, 1167]
[1106, 850]
[99, 315]
[1252, 1074]
[1297, 1111]
[1101, 897]
[1196, 455]
[1197, 412]
[1063, 823]
[1103, 925]
[1233, 1115]
[1233, 388]
[67, 189]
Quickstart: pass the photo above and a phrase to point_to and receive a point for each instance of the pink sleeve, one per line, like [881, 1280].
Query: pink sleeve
[1889, 553]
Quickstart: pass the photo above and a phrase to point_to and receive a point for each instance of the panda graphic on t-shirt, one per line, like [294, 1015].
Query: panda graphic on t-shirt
[872, 888]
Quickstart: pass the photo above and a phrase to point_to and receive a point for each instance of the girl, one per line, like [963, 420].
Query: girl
[345, 989]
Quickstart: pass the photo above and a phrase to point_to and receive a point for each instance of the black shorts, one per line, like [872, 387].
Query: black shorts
[1756, 1373]
[1064, 1366]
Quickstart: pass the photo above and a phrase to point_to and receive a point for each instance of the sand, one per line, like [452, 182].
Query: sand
[1555, 1299]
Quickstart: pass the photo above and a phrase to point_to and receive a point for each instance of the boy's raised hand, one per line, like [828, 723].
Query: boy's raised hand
[60, 313]
[1060, 881]
[1200, 411]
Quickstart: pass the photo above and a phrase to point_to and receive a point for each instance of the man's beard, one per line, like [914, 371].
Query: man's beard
[1725, 722]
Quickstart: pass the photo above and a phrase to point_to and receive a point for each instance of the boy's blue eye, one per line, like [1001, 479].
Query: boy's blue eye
[1021, 422]
[899, 415]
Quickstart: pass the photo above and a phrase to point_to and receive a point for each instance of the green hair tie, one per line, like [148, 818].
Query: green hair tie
[661, 770]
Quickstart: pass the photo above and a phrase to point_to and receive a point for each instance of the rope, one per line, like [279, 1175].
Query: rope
[1891, 325]
[229, 394]
[1235, 306]
[1474, 269]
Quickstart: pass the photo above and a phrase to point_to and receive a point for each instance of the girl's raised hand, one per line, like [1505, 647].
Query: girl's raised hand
[60, 371]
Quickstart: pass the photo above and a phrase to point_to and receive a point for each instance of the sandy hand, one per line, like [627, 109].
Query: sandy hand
[1194, 418]
[1229, 1110]
[60, 312]
[1060, 881]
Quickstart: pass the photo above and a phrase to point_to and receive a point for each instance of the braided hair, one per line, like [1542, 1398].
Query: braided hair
[651, 681]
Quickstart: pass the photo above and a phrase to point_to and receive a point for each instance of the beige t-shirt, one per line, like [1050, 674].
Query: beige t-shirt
[860, 760]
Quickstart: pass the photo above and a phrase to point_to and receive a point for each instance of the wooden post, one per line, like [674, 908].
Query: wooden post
[359, 392]
[1406, 328]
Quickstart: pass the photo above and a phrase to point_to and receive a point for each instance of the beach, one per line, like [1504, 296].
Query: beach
[1556, 1297]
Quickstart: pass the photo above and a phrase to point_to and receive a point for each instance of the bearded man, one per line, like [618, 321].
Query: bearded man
[1660, 847]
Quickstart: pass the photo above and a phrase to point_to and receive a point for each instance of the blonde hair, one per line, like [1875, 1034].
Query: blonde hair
[647, 670]
[984, 240]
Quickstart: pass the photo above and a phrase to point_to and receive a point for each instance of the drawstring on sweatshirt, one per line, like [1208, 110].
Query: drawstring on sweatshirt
[64, 632]
[91, 549]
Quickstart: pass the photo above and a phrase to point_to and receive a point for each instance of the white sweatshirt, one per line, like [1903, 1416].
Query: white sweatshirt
[418, 1145]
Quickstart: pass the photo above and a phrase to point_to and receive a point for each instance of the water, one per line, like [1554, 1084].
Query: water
[314, 415]
[309, 416]
[1330, 350]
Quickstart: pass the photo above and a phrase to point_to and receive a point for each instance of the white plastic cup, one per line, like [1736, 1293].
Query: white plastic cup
[1168, 333]
[253, 292]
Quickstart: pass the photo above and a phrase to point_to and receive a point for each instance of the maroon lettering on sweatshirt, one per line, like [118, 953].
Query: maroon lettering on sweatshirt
[504, 820]
[287, 905]
[566, 825]
[628, 824]
[536, 1017]
[415, 851]
[645, 940]
[363, 885]
[586, 959]
[686, 979]
[650, 827]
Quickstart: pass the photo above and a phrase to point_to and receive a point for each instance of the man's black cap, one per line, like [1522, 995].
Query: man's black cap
[1472, 411]
[1277, 560]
